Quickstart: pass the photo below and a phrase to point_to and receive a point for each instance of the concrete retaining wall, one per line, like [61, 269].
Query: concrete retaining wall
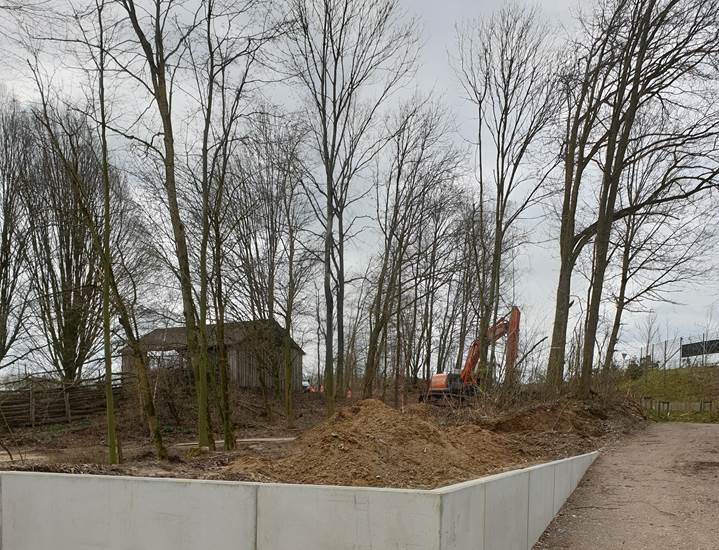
[73, 512]
[510, 510]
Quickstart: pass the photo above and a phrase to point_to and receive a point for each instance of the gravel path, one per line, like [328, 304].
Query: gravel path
[657, 489]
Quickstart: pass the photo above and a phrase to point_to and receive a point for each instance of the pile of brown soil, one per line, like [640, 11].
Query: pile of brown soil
[585, 419]
[553, 417]
[365, 444]
[371, 444]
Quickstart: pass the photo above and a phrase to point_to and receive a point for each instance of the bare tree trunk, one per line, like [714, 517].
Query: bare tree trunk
[555, 369]
[340, 385]
[112, 440]
[329, 303]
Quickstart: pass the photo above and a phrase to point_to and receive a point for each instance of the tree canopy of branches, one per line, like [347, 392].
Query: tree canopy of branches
[637, 60]
[273, 160]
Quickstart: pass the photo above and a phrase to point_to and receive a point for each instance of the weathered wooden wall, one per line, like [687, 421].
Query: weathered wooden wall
[246, 367]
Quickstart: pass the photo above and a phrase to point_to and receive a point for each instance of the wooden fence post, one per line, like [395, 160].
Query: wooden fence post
[66, 396]
[32, 404]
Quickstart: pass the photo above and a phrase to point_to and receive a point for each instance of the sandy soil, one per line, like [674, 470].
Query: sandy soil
[658, 489]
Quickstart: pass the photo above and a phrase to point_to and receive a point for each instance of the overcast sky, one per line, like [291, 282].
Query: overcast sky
[536, 286]
[538, 262]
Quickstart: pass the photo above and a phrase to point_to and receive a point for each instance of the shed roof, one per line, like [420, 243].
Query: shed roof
[236, 333]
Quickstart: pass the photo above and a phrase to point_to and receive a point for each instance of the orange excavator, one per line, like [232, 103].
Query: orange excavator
[451, 384]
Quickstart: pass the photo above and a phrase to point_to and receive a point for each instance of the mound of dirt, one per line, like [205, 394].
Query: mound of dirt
[553, 417]
[371, 444]
[569, 416]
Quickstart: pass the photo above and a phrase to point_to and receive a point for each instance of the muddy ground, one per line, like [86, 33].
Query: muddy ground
[366, 443]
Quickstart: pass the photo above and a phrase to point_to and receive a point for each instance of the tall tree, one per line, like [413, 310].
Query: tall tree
[162, 51]
[66, 269]
[222, 58]
[348, 57]
[15, 153]
[67, 135]
[506, 70]
[635, 55]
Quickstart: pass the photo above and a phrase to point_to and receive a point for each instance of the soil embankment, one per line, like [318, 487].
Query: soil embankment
[371, 444]
[367, 443]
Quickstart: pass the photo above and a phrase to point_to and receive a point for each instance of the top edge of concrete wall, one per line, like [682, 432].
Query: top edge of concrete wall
[507, 473]
[437, 491]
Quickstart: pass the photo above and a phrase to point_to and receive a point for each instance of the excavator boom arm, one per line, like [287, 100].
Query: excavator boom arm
[506, 326]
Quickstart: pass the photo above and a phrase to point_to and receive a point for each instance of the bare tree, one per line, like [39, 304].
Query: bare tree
[422, 166]
[115, 242]
[222, 58]
[127, 258]
[15, 149]
[348, 57]
[506, 70]
[66, 269]
[657, 250]
[158, 40]
[272, 250]
[635, 56]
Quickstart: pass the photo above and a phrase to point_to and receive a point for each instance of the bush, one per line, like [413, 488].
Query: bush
[634, 370]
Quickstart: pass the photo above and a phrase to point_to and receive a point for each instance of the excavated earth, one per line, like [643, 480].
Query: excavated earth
[371, 444]
[368, 443]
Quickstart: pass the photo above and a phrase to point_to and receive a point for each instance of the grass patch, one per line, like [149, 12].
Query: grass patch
[682, 384]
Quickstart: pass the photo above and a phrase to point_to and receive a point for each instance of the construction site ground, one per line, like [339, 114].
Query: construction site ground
[366, 443]
[658, 489]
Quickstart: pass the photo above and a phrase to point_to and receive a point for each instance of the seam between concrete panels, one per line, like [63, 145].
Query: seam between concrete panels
[529, 498]
[554, 494]
[441, 520]
[257, 515]
[484, 518]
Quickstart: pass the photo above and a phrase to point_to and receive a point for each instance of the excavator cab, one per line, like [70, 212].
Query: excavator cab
[445, 382]
[446, 385]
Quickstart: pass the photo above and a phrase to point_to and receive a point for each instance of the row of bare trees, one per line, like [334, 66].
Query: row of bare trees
[271, 160]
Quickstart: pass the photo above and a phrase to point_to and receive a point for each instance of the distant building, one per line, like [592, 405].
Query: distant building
[255, 351]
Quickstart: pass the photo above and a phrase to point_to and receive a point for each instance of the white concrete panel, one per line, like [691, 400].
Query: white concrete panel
[563, 477]
[500, 512]
[505, 515]
[70, 512]
[579, 466]
[294, 517]
[541, 501]
[462, 518]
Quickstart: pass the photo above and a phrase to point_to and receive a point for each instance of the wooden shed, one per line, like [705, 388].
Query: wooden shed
[255, 351]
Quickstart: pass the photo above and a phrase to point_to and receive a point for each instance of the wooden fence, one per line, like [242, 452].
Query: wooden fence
[33, 402]
[668, 407]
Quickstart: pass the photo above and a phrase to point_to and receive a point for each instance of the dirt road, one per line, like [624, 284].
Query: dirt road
[657, 489]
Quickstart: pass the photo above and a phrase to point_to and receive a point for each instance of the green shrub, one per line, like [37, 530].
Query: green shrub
[634, 370]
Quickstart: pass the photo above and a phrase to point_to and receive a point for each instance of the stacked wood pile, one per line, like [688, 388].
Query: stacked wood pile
[34, 401]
